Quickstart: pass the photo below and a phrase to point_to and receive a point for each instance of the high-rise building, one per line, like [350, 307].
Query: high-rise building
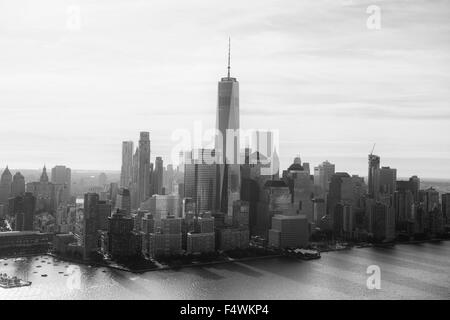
[227, 142]
[200, 180]
[5, 186]
[275, 199]
[61, 175]
[143, 178]
[446, 207]
[89, 229]
[22, 208]
[18, 185]
[158, 175]
[322, 175]
[123, 201]
[122, 242]
[289, 231]
[126, 171]
[374, 176]
[301, 188]
[387, 180]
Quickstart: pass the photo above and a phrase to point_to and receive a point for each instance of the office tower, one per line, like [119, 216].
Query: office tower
[122, 241]
[22, 208]
[446, 207]
[123, 201]
[103, 213]
[113, 190]
[200, 180]
[18, 185]
[275, 199]
[227, 142]
[343, 221]
[5, 186]
[169, 179]
[322, 175]
[126, 171]
[188, 206]
[429, 198]
[167, 239]
[382, 219]
[143, 178]
[289, 231]
[158, 173]
[359, 191]
[134, 181]
[319, 209]
[415, 187]
[387, 180]
[403, 201]
[301, 188]
[162, 206]
[61, 175]
[374, 176]
[241, 212]
[341, 193]
[201, 238]
[89, 230]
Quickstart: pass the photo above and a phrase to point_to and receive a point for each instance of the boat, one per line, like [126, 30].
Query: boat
[303, 254]
[7, 282]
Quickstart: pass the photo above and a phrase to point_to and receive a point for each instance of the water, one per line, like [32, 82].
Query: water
[407, 272]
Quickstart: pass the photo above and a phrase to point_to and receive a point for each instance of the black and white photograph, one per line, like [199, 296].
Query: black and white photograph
[224, 155]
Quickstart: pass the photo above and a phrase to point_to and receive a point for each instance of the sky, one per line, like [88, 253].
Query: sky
[79, 77]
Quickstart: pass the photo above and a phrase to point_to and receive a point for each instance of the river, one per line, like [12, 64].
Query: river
[419, 271]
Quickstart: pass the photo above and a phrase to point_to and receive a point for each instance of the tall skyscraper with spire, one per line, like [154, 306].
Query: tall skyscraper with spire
[227, 141]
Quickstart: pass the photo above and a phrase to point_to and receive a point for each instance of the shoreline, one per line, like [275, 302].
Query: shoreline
[208, 263]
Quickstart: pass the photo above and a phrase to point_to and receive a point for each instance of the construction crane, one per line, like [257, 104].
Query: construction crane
[373, 148]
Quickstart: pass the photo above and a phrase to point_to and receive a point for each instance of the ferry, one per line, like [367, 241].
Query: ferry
[12, 282]
[304, 254]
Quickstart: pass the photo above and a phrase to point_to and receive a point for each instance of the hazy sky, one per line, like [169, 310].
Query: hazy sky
[310, 69]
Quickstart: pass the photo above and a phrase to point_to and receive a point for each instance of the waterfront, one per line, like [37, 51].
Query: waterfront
[418, 271]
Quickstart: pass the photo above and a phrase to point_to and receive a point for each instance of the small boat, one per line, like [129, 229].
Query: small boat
[44, 275]
[303, 254]
[7, 282]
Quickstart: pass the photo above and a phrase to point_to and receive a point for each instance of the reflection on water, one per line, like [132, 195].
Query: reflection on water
[407, 272]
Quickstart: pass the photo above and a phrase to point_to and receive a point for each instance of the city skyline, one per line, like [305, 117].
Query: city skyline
[107, 97]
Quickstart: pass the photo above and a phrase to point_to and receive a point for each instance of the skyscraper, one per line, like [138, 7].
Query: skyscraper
[144, 167]
[127, 164]
[61, 175]
[200, 180]
[374, 176]
[89, 233]
[227, 141]
[158, 176]
[18, 185]
[5, 186]
[387, 180]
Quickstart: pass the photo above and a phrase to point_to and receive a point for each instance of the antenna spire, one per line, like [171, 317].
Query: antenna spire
[229, 49]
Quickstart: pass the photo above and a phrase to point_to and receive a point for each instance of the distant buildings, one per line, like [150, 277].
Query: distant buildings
[5, 186]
